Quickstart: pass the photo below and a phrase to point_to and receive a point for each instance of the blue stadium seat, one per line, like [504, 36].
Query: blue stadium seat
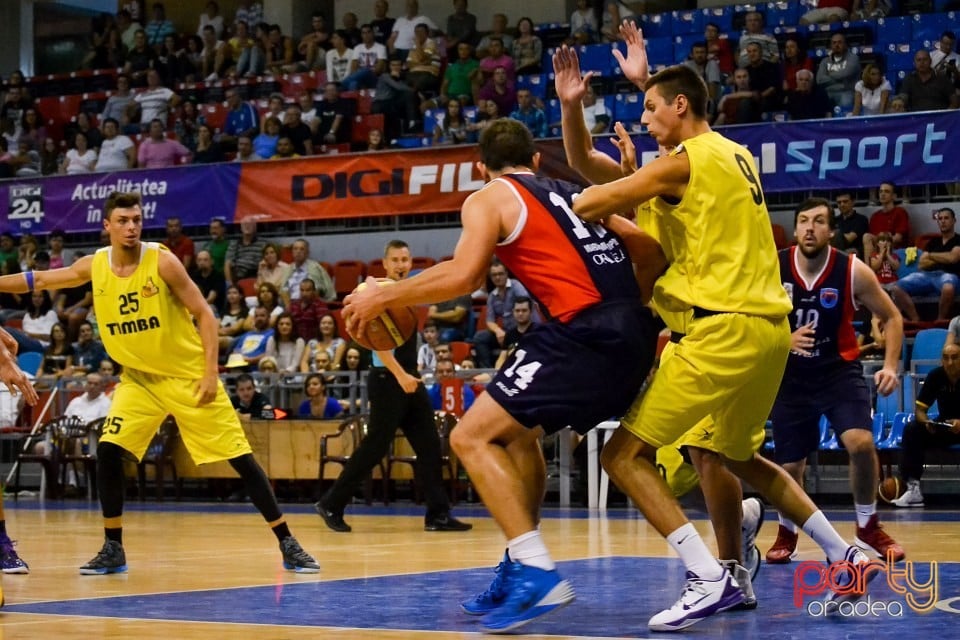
[657, 25]
[689, 21]
[29, 361]
[905, 269]
[413, 143]
[598, 58]
[536, 83]
[628, 107]
[660, 51]
[892, 441]
[910, 385]
[877, 428]
[889, 405]
[897, 30]
[782, 14]
[431, 118]
[553, 110]
[929, 26]
[720, 16]
[683, 43]
[824, 431]
[927, 348]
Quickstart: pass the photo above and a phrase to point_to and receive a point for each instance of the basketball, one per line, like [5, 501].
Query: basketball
[391, 328]
[889, 489]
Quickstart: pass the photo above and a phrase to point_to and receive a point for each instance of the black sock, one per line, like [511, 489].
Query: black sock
[114, 534]
[110, 483]
[257, 486]
[281, 531]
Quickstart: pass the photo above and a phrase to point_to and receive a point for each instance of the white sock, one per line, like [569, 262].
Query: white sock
[865, 512]
[819, 528]
[694, 553]
[787, 524]
[529, 549]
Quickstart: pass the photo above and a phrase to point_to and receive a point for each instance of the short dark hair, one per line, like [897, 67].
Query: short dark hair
[948, 34]
[507, 143]
[681, 80]
[121, 200]
[395, 244]
[813, 203]
[113, 120]
[947, 209]
[245, 377]
[523, 300]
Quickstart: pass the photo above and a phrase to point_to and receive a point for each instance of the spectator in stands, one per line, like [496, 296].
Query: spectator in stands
[453, 128]
[596, 115]
[285, 149]
[885, 261]
[452, 317]
[58, 357]
[83, 124]
[497, 58]
[742, 105]
[922, 433]
[318, 404]
[719, 49]
[15, 103]
[117, 101]
[489, 112]
[864, 9]
[158, 28]
[55, 248]
[244, 255]
[375, 141]
[939, 270]
[50, 157]
[249, 53]
[211, 17]
[461, 27]
[245, 152]
[523, 317]
[279, 52]
[308, 110]
[753, 33]
[838, 72]
[285, 346]
[396, 101]
[106, 52]
[446, 370]
[302, 268]
[179, 244]
[307, 310]
[944, 60]
[241, 118]
[232, 316]
[26, 162]
[527, 50]
[334, 115]
[339, 58]
[275, 108]
[423, 64]
[127, 27]
[926, 91]
[207, 150]
[707, 69]
[794, 59]
[853, 226]
[314, 45]
[88, 352]
[38, 321]
[248, 12]
[404, 29]
[172, 63]
[583, 24]
[218, 245]
[265, 144]
[272, 269]
[827, 11]
[530, 114]
[612, 16]
[498, 31]
[250, 403]
[764, 79]
[890, 218]
[140, 58]
[215, 57]
[328, 339]
[27, 252]
[351, 29]
[193, 58]
[808, 101]
[80, 159]
[461, 78]
[370, 60]
[872, 93]
[212, 285]
[252, 345]
[499, 90]
[156, 100]
[32, 130]
[488, 342]
[117, 152]
[381, 23]
[298, 132]
[426, 356]
[159, 151]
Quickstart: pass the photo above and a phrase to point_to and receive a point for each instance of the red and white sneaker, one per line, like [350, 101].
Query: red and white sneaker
[874, 539]
[784, 549]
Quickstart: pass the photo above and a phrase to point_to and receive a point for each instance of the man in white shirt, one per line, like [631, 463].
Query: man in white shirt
[301, 269]
[156, 100]
[595, 112]
[370, 61]
[117, 152]
[942, 58]
[401, 40]
[340, 58]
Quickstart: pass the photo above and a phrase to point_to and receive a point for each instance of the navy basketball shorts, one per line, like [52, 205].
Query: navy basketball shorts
[579, 373]
[839, 393]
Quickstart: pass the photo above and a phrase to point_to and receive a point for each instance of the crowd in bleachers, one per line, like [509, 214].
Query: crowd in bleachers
[151, 93]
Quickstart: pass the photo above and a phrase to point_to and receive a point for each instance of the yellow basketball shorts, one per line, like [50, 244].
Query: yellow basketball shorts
[142, 401]
[726, 369]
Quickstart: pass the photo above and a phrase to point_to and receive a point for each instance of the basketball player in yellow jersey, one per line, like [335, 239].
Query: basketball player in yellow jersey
[735, 523]
[729, 364]
[144, 301]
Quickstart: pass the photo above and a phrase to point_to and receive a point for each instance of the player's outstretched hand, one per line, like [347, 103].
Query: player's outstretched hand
[207, 389]
[628, 151]
[361, 306]
[887, 381]
[634, 65]
[566, 70]
[10, 374]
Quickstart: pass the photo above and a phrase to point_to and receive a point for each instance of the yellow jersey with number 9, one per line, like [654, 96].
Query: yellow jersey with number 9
[721, 236]
[143, 325]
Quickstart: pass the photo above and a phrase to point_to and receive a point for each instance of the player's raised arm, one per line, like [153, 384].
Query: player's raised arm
[73, 276]
[666, 176]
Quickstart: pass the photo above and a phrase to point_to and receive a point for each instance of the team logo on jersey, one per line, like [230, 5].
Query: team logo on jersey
[149, 290]
[788, 287]
[829, 298]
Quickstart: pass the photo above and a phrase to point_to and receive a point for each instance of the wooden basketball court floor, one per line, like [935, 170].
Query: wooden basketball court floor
[213, 571]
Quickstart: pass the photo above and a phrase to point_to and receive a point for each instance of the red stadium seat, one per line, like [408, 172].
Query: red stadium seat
[780, 236]
[247, 286]
[363, 124]
[215, 114]
[459, 350]
[375, 269]
[347, 274]
[422, 262]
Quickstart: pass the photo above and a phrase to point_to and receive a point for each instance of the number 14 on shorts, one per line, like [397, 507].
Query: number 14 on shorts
[521, 373]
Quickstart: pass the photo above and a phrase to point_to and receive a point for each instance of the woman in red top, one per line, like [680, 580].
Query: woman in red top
[885, 262]
[794, 59]
[719, 49]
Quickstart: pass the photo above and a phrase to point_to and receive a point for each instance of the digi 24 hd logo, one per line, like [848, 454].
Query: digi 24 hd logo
[26, 204]
[915, 585]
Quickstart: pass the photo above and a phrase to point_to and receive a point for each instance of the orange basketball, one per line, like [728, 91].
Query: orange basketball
[889, 489]
[391, 328]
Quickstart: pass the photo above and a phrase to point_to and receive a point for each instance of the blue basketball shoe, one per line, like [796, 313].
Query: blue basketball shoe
[530, 593]
[493, 597]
